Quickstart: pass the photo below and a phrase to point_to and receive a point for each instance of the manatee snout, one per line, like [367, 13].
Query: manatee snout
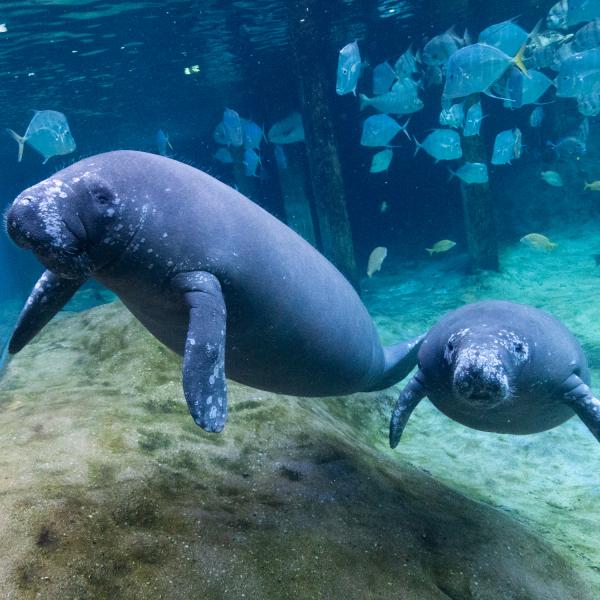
[19, 218]
[480, 378]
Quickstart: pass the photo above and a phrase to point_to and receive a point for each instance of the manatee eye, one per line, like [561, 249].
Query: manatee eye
[101, 196]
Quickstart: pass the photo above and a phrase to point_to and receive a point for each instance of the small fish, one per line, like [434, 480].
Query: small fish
[224, 155]
[441, 246]
[587, 37]
[381, 161]
[251, 161]
[453, 116]
[552, 178]
[471, 173]
[3, 28]
[48, 133]
[383, 78]
[376, 259]
[506, 36]
[287, 131]
[579, 74]
[406, 65]
[441, 144]
[163, 143]
[383, 207]
[232, 127]
[569, 147]
[594, 186]
[557, 15]
[191, 70]
[536, 117]
[280, 157]
[438, 50]
[402, 99]
[379, 130]
[253, 134]
[473, 120]
[538, 241]
[349, 69]
[476, 68]
[507, 146]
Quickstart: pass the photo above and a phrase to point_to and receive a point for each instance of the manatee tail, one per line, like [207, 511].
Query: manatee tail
[20, 140]
[400, 360]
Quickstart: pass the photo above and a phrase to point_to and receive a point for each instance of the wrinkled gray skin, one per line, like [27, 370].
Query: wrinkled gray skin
[209, 273]
[503, 367]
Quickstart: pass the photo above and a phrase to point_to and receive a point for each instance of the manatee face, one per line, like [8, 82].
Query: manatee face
[484, 363]
[71, 222]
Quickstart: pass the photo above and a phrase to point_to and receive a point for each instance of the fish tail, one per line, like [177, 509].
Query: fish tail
[20, 140]
[586, 186]
[430, 250]
[404, 129]
[551, 246]
[418, 146]
[452, 174]
[518, 61]
[364, 101]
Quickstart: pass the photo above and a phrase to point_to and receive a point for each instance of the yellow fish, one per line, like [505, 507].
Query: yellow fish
[594, 186]
[538, 241]
[441, 246]
[376, 258]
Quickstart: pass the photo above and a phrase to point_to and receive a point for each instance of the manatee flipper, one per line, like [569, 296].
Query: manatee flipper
[204, 382]
[49, 295]
[410, 396]
[586, 406]
[400, 360]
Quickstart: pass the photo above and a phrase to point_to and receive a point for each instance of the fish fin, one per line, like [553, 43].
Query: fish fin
[364, 101]
[169, 144]
[410, 396]
[466, 38]
[490, 94]
[404, 130]
[586, 186]
[518, 61]
[20, 140]
[534, 32]
[452, 176]
[430, 250]
[417, 146]
[45, 159]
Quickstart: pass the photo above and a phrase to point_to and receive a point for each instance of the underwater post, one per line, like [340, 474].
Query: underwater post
[478, 208]
[309, 37]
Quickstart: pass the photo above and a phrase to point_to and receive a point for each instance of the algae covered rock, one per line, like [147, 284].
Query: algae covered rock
[109, 490]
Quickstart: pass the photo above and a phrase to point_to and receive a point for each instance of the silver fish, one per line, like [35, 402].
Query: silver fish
[253, 134]
[224, 155]
[474, 69]
[580, 11]
[557, 16]
[578, 74]
[162, 143]
[506, 36]
[251, 161]
[287, 131]
[232, 128]
[441, 144]
[48, 133]
[402, 99]
[587, 37]
[473, 120]
[406, 65]
[569, 147]
[471, 173]
[453, 116]
[379, 130]
[438, 49]
[381, 161]
[348, 70]
[536, 117]
[383, 77]
[507, 146]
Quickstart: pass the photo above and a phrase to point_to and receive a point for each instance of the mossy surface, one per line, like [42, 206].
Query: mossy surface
[110, 491]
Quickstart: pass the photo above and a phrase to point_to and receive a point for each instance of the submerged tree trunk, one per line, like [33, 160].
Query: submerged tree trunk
[478, 211]
[295, 195]
[309, 33]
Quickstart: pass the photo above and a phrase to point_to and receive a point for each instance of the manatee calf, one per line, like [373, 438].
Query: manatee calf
[503, 367]
[209, 273]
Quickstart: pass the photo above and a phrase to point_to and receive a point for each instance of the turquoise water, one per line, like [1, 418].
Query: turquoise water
[288, 501]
